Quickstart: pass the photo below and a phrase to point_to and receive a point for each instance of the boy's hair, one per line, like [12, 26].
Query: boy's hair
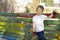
[40, 6]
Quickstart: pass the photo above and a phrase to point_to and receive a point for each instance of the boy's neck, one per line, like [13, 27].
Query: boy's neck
[38, 14]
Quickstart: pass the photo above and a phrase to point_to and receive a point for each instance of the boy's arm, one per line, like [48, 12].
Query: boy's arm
[34, 28]
[51, 16]
[48, 17]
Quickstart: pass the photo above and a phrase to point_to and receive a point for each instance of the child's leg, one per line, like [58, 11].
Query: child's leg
[40, 35]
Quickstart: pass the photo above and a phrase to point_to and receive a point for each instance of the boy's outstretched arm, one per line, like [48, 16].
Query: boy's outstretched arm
[51, 16]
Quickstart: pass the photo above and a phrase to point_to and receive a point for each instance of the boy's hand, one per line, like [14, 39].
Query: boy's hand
[34, 30]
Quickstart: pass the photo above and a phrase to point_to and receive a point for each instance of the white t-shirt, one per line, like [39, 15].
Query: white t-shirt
[39, 22]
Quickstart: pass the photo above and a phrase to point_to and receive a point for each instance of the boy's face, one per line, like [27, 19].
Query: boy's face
[39, 11]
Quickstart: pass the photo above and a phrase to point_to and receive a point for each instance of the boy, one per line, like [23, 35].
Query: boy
[38, 25]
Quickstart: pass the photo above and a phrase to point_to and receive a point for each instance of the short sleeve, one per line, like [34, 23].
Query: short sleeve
[33, 19]
[46, 17]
